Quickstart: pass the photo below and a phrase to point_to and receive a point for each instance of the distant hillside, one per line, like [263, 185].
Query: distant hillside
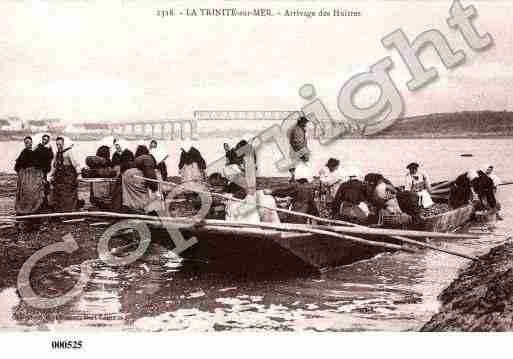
[459, 124]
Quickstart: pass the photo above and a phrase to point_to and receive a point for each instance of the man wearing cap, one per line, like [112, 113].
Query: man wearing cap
[418, 183]
[43, 157]
[298, 141]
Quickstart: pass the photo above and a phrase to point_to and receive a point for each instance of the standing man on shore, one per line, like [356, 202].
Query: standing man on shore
[43, 156]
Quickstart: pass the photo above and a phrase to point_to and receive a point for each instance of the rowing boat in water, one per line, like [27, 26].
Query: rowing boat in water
[251, 249]
[248, 248]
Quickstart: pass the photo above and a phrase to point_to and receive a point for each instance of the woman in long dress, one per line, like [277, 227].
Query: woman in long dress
[30, 191]
[138, 193]
[64, 177]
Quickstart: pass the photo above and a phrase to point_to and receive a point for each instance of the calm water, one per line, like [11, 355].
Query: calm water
[389, 292]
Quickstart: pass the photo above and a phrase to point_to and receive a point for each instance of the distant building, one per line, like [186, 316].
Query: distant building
[11, 123]
[89, 128]
[37, 125]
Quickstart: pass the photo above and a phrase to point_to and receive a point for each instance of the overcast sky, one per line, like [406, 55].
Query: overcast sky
[88, 61]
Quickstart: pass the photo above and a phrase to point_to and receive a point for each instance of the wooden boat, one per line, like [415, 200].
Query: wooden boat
[252, 250]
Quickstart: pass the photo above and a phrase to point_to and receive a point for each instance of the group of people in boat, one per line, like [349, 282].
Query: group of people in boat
[48, 180]
[358, 198]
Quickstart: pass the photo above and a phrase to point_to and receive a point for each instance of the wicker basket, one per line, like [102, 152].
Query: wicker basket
[393, 220]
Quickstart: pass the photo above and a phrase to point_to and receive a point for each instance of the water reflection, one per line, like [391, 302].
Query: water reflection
[395, 291]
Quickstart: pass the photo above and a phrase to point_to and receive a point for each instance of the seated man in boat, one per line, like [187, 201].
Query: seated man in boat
[418, 183]
[332, 177]
[242, 207]
[302, 193]
[350, 201]
[136, 192]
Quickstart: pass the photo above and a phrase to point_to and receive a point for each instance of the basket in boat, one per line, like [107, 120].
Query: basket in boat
[388, 219]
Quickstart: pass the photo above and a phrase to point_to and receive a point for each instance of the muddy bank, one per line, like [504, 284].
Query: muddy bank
[481, 297]
[17, 246]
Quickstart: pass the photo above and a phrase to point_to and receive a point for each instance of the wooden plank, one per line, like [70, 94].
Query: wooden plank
[97, 224]
[74, 220]
[97, 180]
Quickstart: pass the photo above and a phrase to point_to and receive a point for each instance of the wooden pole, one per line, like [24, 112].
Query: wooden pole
[186, 220]
[296, 228]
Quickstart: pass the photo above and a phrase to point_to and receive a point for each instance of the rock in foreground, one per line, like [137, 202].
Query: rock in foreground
[481, 298]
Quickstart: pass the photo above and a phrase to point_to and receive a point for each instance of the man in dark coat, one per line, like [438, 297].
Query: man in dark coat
[43, 157]
[298, 141]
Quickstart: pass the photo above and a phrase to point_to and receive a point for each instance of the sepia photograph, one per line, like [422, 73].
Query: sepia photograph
[230, 167]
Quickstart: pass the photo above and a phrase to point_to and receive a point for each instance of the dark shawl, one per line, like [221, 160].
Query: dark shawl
[190, 157]
[116, 159]
[126, 160]
[303, 200]
[104, 152]
[352, 191]
[43, 157]
[146, 163]
[141, 150]
[24, 160]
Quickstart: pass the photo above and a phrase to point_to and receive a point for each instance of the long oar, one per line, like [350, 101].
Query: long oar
[420, 244]
[208, 224]
[441, 185]
[183, 221]
[299, 227]
[186, 220]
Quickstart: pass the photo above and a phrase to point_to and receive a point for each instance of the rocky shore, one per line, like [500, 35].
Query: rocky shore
[481, 297]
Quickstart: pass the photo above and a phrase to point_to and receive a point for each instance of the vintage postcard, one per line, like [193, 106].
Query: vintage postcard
[254, 167]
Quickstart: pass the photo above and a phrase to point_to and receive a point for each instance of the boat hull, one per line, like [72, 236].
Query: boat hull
[256, 251]
[450, 220]
[253, 250]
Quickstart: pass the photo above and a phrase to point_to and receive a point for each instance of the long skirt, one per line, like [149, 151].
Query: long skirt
[30, 191]
[135, 194]
[65, 190]
[117, 195]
